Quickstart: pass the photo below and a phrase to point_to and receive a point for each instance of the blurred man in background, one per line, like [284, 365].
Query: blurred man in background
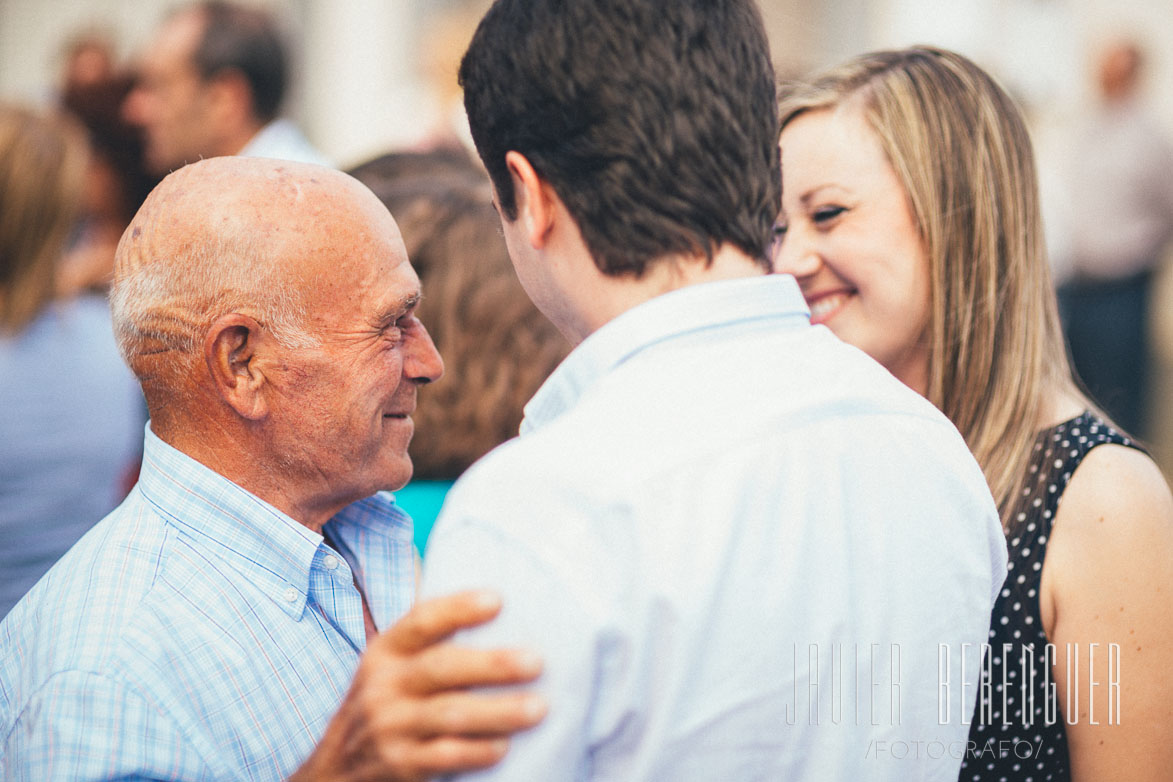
[211, 83]
[1120, 180]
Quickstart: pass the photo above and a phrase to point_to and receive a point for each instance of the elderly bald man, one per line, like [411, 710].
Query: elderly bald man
[224, 622]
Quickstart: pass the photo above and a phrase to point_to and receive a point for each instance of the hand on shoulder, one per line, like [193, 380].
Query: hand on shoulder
[413, 710]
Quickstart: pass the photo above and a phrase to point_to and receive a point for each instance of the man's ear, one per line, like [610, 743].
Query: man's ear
[536, 200]
[230, 350]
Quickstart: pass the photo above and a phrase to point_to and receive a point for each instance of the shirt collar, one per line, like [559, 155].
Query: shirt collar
[375, 530]
[276, 132]
[275, 551]
[689, 309]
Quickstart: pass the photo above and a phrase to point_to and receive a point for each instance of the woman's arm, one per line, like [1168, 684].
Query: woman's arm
[1108, 581]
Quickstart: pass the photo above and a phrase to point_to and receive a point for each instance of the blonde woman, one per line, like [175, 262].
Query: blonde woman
[911, 221]
[71, 414]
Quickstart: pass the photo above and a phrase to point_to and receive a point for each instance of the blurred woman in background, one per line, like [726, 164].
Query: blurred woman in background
[911, 221]
[70, 411]
[116, 182]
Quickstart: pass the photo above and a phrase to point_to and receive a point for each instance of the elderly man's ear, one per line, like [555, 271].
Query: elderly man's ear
[231, 349]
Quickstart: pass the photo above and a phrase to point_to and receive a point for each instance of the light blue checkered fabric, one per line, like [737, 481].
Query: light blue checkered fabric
[195, 633]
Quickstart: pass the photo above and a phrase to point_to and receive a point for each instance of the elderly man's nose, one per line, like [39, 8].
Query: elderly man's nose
[423, 363]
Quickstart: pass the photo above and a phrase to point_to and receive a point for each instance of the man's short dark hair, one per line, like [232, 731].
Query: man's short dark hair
[245, 40]
[655, 122]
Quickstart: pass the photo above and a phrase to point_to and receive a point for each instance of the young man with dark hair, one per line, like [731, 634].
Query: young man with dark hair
[618, 131]
[739, 545]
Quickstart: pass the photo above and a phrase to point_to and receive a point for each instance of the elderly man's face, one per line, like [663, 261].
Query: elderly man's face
[345, 406]
[171, 101]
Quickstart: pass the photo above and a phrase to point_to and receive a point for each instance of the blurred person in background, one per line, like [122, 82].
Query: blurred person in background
[497, 347]
[399, 179]
[87, 58]
[1119, 177]
[116, 185]
[211, 83]
[911, 220]
[71, 414]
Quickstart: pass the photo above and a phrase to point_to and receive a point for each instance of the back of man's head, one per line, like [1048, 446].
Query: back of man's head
[248, 41]
[655, 122]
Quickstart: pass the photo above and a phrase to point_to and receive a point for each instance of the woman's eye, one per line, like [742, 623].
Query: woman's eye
[777, 235]
[825, 214]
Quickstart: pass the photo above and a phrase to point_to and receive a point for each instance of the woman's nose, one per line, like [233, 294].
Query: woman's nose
[794, 256]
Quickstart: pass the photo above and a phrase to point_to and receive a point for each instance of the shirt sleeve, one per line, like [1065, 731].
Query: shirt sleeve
[540, 613]
[85, 727]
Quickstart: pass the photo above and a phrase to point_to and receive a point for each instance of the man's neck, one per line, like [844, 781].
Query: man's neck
[223, 449]
[609, 297]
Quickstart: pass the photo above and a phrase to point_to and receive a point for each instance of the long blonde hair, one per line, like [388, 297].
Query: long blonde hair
[962, 151]
[42, 169]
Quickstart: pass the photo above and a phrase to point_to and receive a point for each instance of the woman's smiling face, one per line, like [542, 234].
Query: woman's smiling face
[847, 234]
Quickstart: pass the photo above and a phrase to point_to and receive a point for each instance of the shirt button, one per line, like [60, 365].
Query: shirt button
[290, 595]
[331, 562]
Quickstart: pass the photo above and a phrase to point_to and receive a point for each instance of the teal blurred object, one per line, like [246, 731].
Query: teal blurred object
[422, 500]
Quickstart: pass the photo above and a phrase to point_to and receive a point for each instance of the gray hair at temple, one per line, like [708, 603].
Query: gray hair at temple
[162, 307]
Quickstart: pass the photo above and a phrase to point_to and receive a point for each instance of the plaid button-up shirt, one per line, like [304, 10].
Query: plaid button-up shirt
[195, 633]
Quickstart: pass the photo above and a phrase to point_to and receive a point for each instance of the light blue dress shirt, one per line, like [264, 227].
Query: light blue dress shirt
[196, 633]
[738, 544]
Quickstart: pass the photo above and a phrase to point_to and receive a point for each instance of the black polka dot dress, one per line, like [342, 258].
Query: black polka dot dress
[1018, 736]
